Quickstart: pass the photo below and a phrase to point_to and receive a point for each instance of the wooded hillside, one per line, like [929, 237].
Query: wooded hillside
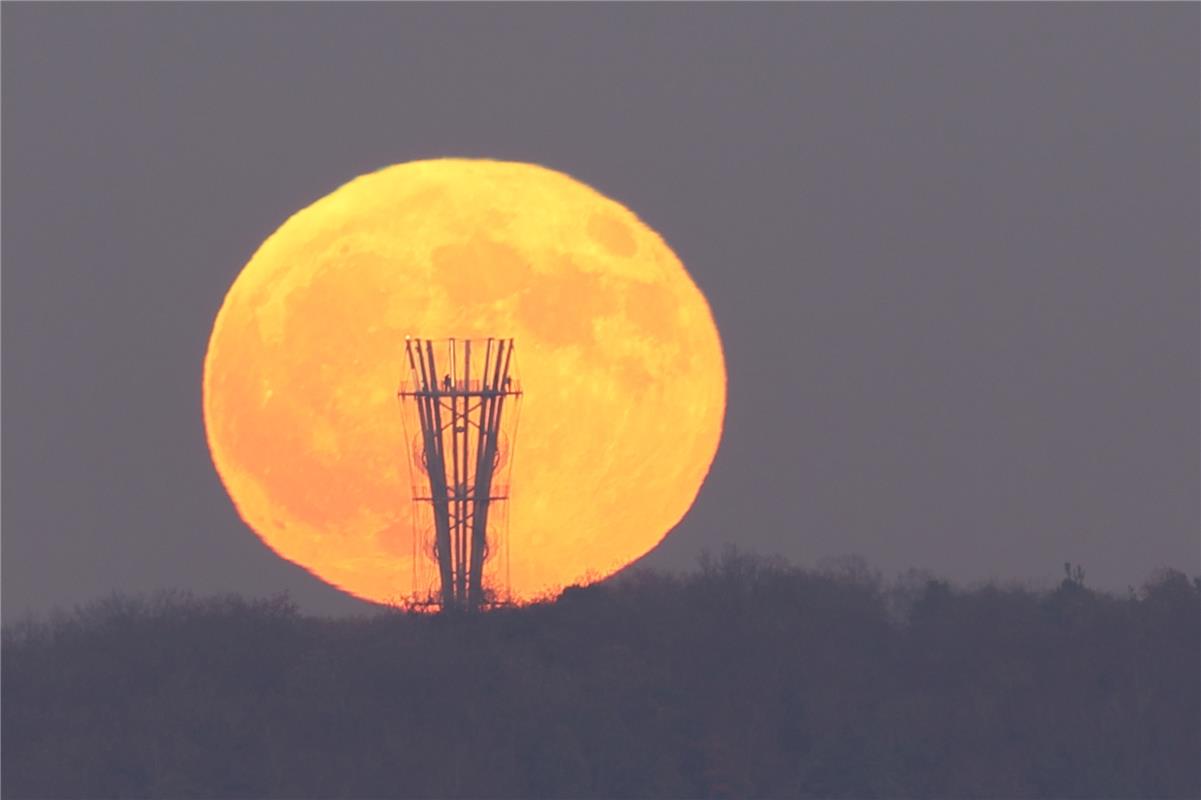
[746, 678]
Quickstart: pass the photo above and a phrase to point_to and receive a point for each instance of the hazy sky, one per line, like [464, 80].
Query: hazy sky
[953, 252]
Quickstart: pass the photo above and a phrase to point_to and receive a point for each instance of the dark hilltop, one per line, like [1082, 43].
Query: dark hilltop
[744, 678]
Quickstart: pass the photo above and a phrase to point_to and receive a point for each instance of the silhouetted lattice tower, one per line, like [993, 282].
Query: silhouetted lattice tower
[462, 399]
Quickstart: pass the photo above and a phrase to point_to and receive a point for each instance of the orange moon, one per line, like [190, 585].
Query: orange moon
[617, 352]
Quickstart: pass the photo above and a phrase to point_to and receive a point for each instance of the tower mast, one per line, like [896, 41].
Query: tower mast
[460, 404]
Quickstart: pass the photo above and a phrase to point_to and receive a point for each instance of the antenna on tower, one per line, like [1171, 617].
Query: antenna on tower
[464, 398]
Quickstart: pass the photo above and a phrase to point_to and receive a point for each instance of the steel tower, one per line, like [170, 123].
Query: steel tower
[461, 399]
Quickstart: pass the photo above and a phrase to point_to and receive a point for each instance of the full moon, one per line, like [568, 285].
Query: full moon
[616, 349]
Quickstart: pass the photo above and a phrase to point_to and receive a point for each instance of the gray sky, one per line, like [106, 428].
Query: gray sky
[953, 252]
